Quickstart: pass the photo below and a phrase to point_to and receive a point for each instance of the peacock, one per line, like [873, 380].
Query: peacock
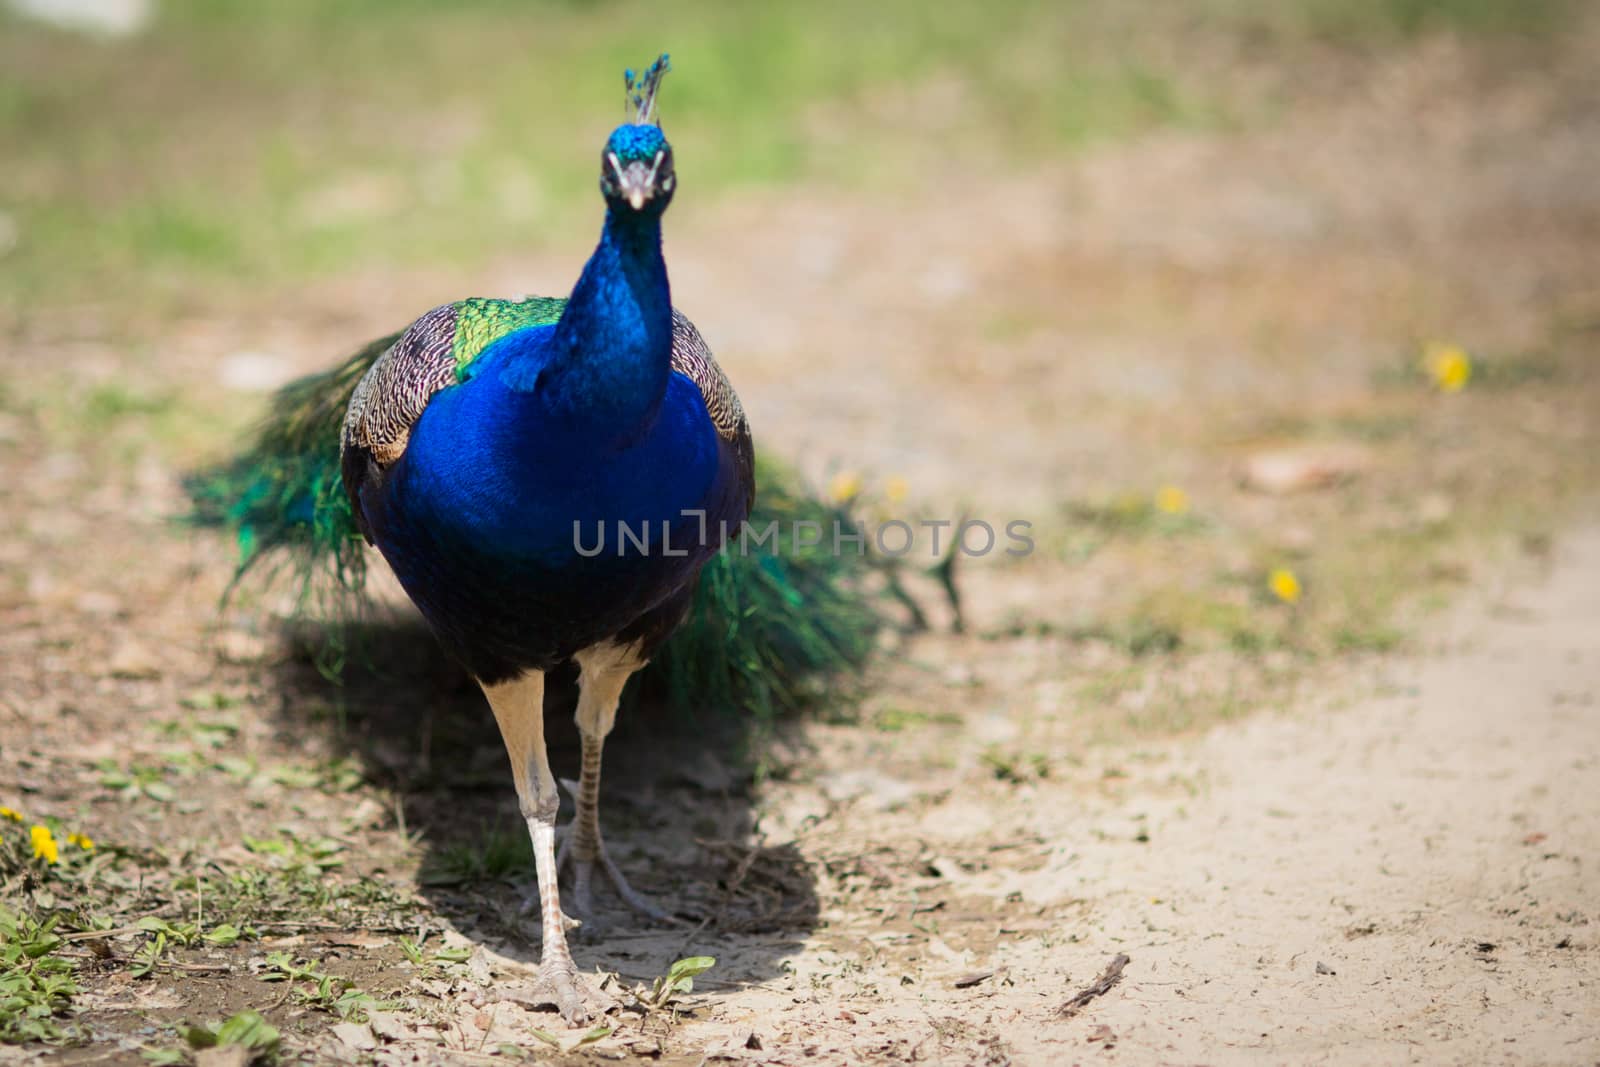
[550, 480]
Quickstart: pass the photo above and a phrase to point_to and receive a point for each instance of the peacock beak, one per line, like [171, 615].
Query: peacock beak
[637, 182]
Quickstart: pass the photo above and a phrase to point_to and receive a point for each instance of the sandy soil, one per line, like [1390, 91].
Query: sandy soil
[1409, 879]
[1435, 848]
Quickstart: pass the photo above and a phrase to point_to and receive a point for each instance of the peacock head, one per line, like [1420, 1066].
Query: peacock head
[636, 169]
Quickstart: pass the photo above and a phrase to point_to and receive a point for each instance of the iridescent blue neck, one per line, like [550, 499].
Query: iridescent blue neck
[610, 357]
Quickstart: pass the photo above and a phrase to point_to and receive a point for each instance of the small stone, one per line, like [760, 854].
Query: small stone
[223, 1056]
[132, 660]
[356, 1036]
[367, 815]
[97, 603]
[1293, 470]
[241, 648]
[388, 1026]
[253, 372]
[1435, 508]
[876, 792]
[1323, 968]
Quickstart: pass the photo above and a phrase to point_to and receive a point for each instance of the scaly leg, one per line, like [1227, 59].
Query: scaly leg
[602, 672]
[519, 709]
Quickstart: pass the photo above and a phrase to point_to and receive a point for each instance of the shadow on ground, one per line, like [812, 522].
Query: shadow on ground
[676, 807]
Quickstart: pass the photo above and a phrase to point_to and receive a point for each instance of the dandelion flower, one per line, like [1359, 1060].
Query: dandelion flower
[896, 489]
[44, 844]
[845, 487]
[11, 813]
[83, 841]
[1172, 500]
[1448, 366]
[1284, 585]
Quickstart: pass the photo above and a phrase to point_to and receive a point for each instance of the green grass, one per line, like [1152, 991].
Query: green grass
[311, 986]
[247, 1030]
[498, 852]
[36, 984]
[237, 145]
[270, 142]
[1366, 22]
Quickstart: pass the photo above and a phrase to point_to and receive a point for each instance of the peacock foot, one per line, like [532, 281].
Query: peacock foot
[557, 984]
[583, 853]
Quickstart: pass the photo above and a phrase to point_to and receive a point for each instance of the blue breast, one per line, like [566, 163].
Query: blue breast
[478, 517]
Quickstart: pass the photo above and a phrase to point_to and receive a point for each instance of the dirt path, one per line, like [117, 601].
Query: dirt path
[1410, 879]
[1435, 849]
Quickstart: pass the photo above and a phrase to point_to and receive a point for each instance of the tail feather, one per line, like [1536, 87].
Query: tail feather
[766, 632]
[771, 631]
[283, 495]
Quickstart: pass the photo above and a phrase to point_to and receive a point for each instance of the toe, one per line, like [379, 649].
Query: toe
[631, 896]
[554, 986]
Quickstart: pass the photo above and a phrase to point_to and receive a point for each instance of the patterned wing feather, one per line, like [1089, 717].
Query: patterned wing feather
[691, 357]
[434, 352]
[390, 397]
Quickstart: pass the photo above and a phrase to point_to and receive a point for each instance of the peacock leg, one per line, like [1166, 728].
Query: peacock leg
[602, 672]
[519, 709]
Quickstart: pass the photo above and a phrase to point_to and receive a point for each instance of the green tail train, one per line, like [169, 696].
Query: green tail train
[767, 633]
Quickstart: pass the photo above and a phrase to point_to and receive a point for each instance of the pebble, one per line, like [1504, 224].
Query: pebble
[132, 660]
[1293, 470]
[253, 372]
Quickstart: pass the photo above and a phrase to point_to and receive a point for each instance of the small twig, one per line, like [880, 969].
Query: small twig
[198, 968]
[945, 572]
[1097, 988]
[734, 883]
[85, 935]
[288, 991]
[918, 622]
[484, 1040]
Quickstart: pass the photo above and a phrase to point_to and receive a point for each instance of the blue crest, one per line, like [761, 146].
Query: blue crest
[641, 90]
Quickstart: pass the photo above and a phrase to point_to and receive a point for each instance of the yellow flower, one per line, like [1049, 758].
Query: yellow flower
[44, 844]
[83, 841]
[1448, 365]
[11, 813]
[896, 489]
[845, 487]
[1172, 500]
[1284, 585]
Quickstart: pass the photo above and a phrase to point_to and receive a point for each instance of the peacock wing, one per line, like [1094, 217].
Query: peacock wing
[431, 354]
[691, 357]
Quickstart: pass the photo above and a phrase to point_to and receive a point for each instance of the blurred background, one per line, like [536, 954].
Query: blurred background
[1278, 320]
